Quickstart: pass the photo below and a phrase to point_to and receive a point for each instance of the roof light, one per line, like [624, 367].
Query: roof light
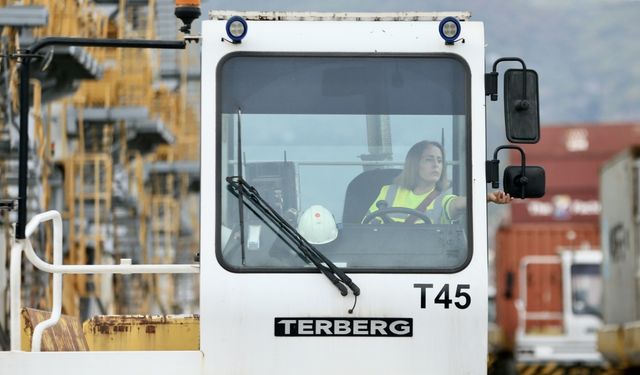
[236, 28]
[187, 11]
[449, 29]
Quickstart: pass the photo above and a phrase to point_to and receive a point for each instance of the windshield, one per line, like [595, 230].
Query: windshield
[586, 284]
[336, 145]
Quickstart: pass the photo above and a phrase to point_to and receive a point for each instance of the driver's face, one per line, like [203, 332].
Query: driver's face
[430, 167]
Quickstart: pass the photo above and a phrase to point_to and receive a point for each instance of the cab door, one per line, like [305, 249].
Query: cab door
[318, 117]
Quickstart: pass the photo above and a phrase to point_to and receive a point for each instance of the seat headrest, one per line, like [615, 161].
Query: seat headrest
[362, 190]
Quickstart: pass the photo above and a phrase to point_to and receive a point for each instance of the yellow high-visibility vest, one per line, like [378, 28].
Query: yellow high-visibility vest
[396, 196]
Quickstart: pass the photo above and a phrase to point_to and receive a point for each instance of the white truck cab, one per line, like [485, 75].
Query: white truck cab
[305, 111]
[323, 113]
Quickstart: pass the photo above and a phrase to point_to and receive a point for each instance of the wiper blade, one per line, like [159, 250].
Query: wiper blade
[242, 189]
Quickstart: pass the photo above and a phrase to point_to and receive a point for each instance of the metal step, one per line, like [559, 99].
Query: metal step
[146, 135]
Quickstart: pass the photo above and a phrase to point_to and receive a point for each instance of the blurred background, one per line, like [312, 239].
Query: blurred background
[114, 147]
[115, 140]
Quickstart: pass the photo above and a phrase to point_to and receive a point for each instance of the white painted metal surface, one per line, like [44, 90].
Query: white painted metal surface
[101, 363]
[339, 16]
[238, 309]
[620, 238]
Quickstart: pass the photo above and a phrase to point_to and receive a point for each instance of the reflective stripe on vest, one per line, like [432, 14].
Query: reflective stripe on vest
[434, 214]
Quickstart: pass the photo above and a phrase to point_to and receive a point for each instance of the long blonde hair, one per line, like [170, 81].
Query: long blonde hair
[409, 176]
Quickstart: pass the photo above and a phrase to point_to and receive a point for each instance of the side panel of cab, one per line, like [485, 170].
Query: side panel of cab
[238, 309]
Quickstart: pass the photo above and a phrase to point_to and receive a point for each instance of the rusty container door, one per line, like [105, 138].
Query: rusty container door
[544, 295]
[519, 240]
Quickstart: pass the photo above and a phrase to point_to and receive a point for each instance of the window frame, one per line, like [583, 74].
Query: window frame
[289, 270]
[573, 273]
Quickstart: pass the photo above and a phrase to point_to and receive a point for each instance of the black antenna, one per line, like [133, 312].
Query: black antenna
[240, 197]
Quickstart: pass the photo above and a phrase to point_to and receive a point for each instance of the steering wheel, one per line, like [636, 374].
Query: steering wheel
[383, 213]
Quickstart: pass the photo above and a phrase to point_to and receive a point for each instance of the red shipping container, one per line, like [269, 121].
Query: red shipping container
[571, 141]
[571, 174]
[572, 157]
[544, 282]
[559, 205]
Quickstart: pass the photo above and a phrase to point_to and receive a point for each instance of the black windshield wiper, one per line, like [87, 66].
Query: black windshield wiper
[243, 190]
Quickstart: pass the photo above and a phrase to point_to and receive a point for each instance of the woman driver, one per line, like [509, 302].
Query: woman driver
[421, 186]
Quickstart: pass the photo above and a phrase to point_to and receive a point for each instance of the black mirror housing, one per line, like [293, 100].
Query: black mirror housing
[521, 106]
[531, 186]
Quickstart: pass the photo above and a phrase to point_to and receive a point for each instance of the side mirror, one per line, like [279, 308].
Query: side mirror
[531, 185]
[518, 181]
[521, 106]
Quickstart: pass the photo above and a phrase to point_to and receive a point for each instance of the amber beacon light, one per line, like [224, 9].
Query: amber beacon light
[187, 11]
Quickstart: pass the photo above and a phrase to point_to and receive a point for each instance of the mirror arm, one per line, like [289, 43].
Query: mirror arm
[492, 168]
[493, 172]
[491, 82]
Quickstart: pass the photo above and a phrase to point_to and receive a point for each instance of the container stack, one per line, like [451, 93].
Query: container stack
[566, 218]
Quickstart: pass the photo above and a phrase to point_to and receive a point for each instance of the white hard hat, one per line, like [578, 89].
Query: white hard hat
[317, 225]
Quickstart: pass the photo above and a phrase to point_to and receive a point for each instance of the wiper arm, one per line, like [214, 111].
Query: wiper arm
[242, 189]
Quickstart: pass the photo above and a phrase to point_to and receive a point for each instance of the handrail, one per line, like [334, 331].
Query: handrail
[57, 268]
[14, 283]
[56, 309]
[322, 163]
